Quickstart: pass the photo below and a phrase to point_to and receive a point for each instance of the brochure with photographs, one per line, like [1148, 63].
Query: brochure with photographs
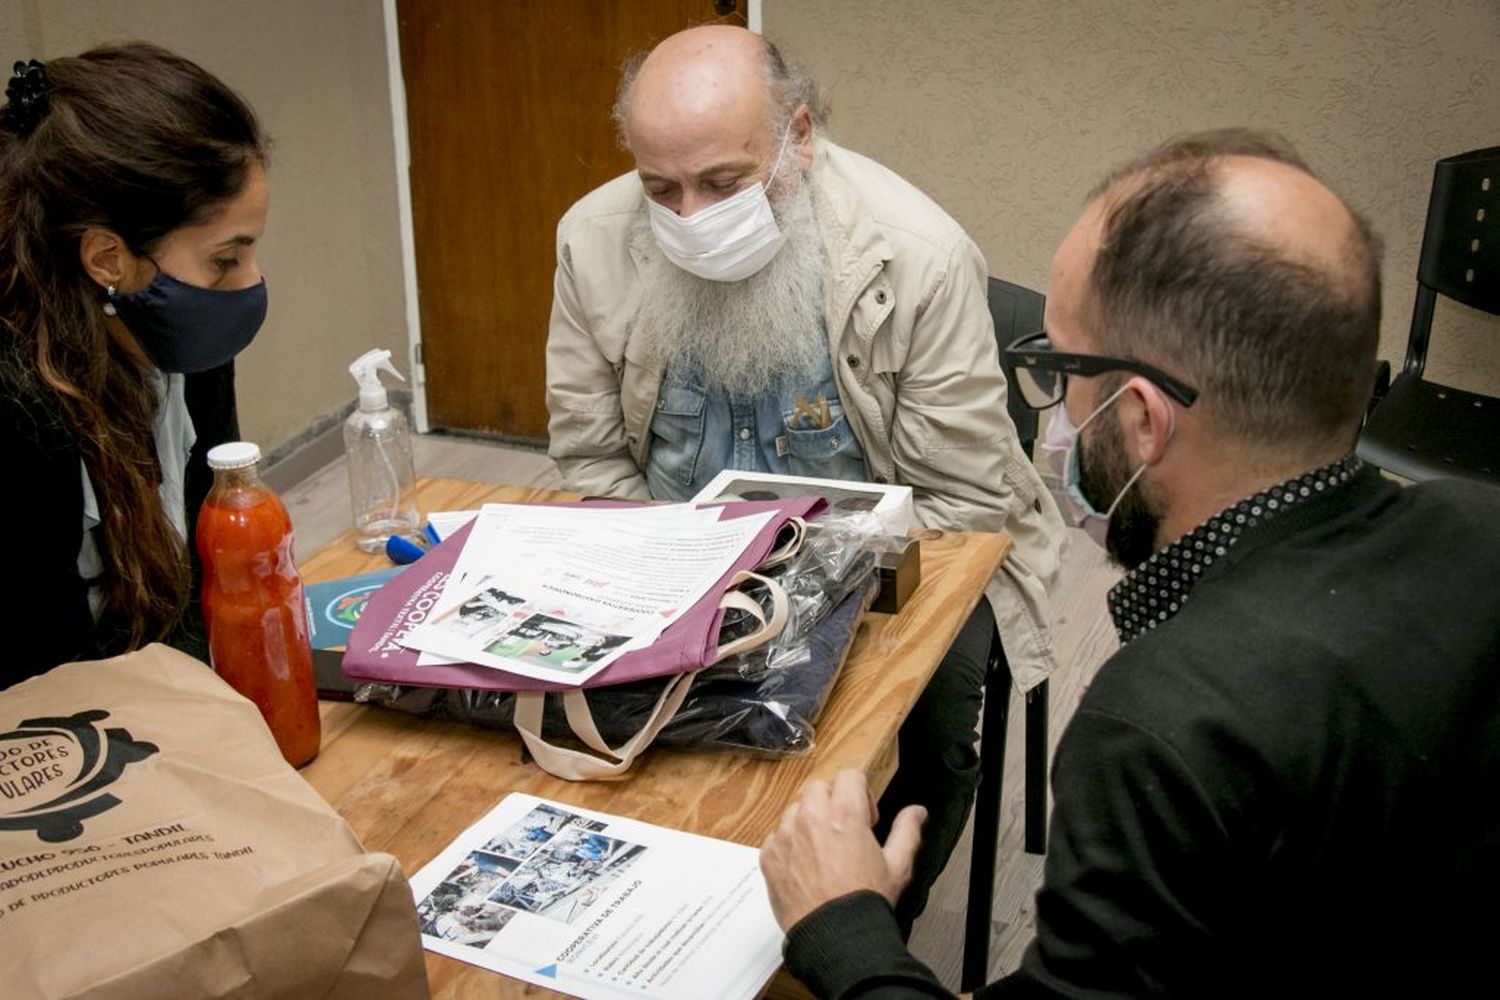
[892, 504]
[600, 906]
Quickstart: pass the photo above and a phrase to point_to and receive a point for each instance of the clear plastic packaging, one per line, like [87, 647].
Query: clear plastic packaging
[836, 557]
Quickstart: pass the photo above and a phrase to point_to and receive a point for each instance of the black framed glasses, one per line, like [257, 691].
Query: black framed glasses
[1040, 374]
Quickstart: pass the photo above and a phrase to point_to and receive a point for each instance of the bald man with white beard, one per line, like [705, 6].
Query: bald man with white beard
[754, 297]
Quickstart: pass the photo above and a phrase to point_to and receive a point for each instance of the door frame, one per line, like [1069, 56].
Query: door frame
[401, 144]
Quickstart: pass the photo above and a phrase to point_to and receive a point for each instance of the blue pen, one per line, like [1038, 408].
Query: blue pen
[431, 533]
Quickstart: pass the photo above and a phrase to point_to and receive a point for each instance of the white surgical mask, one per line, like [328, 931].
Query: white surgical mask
[1058, 459]
[727, 241]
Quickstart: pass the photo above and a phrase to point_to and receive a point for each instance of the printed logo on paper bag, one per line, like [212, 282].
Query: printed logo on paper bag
[55, 772]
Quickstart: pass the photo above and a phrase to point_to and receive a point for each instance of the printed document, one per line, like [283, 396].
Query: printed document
[599, 906]
[560, 593]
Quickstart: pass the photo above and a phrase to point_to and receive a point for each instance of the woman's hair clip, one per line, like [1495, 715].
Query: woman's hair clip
[27, 97]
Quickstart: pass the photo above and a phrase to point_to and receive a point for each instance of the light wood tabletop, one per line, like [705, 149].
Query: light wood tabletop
[408, 785]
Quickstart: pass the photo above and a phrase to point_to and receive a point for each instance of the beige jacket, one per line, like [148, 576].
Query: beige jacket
[913, 350]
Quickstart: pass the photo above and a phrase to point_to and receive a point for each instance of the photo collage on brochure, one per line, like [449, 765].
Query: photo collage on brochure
[551, 864]
[513, 627]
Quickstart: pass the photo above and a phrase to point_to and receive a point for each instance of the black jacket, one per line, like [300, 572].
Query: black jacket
[42, 507]
[1289, 787]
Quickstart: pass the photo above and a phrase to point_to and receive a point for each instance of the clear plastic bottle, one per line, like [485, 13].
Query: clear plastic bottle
[382, 476]
[253, 607]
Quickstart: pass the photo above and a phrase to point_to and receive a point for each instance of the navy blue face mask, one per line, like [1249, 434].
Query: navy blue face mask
[184, 328]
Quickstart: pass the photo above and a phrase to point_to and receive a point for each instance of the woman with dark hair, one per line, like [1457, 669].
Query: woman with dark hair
[132, 196]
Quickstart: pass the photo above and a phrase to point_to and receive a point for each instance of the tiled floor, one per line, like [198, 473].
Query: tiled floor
[319, 508]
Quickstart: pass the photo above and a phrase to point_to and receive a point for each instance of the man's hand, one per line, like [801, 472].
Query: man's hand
[824, 849]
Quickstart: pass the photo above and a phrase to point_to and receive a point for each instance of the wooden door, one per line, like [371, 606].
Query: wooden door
[508, 107]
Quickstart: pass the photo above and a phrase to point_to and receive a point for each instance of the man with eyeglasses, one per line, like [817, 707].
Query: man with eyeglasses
[753, 296]
[1284, 781]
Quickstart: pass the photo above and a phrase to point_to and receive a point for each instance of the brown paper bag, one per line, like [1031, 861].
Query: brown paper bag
[153, 843]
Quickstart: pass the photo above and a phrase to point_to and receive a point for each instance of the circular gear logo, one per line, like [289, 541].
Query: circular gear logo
[55, 772]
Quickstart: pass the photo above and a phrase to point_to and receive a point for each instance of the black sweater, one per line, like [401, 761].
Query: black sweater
[1289, 787]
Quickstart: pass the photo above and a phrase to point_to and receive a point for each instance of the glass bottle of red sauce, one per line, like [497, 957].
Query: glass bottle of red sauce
[252, 600]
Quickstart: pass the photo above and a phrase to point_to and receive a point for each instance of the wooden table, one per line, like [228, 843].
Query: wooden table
[409, 785]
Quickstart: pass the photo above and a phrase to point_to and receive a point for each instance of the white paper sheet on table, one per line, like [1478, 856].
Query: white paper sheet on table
[465, 576]
[600, 906]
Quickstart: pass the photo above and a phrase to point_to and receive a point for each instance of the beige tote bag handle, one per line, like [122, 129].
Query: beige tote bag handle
[575, 765]
[784, 552]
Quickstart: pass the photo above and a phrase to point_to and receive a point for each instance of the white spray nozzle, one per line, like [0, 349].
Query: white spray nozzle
[366, 369]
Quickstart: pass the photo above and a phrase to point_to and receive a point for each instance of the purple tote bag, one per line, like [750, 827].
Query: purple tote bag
[375, 653]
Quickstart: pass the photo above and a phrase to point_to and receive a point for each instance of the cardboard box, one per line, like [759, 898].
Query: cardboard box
[900, 572]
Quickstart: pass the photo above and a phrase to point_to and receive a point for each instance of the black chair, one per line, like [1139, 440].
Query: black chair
[1016, 311]
[1420, 429]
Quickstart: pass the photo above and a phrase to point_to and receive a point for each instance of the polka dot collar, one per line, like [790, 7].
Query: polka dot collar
[1157, 589]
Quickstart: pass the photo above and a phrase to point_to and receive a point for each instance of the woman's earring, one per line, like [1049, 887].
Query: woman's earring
[109, 306]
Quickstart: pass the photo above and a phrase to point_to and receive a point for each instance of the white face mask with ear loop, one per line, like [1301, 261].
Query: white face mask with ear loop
[1058, 459]
[727, 241]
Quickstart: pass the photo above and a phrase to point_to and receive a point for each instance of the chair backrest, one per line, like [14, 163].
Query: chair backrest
[1016, 311]
[1460, 255]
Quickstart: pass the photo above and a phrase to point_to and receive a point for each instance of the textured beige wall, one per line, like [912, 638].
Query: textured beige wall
[1008, 111]
[316, 74]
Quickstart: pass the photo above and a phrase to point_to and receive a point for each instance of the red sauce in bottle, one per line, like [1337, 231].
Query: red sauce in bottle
[252, 601]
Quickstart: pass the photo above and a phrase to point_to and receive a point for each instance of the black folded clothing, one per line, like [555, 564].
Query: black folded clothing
[771, 709]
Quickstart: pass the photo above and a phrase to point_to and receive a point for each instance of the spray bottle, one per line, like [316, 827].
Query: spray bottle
[377, 441]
